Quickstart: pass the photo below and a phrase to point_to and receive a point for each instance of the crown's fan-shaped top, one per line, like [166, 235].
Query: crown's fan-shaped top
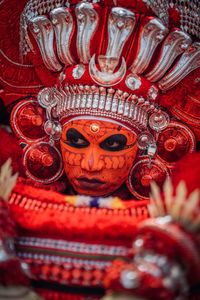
[66, 35]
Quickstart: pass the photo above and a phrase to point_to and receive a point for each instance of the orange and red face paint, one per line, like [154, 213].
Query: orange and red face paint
[92, 166]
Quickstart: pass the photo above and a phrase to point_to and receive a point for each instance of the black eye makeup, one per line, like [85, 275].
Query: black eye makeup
[115, 142]
[75, 139]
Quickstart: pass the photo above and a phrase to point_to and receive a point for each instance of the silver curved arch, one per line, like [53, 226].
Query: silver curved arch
[104, 78]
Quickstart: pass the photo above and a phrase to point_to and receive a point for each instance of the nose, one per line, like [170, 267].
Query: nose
[92, 161]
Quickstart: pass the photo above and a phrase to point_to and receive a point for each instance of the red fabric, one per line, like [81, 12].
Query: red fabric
[46, 213]
[178, 93]
[137, 5]
[10, 267]
[76, 224]
[15, 77]
[46, 76]
[58, 295]
[87, 80]
[149, 286]
[188, 169]
[10, 148]
[174, 17]
[7, 226]
[11, 273]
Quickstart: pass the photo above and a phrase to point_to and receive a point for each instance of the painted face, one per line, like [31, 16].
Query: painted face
[97, 155]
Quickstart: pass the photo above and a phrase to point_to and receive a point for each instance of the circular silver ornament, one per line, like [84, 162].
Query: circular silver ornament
[138, 243]
[43, 162]
[46, 98]
[159, 121]
[144, 139]
[133, 82]
[53, 128]
[129, 279]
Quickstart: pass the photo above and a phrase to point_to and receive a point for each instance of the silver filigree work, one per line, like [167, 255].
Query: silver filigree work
[145, 139]
[107, 77]
[152, 93]
[53, 129]
[78, 71]
[133, 82]
[49, 98]
[62, 21]
[175, 44]
[87, 21]
[152, 33]
[189, 13]
[189, 61]
[121, 23]
[52, 20]
[80, 100]
[43, 32]
[34, 8]
[159, 121]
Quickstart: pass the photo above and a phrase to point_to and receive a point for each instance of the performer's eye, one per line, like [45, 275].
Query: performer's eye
[76, 139]
[114, 142]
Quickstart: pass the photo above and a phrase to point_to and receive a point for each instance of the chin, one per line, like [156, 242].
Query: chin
[93, 191]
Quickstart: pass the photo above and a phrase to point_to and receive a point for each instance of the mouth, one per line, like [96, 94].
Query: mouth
[90, 180]
[86, 182]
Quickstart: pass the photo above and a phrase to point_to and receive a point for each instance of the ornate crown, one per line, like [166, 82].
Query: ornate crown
[111, 60]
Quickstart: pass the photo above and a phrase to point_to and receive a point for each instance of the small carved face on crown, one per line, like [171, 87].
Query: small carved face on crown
[97, 155]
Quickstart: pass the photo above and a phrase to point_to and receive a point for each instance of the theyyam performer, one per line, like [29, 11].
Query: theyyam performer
[103, 102]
